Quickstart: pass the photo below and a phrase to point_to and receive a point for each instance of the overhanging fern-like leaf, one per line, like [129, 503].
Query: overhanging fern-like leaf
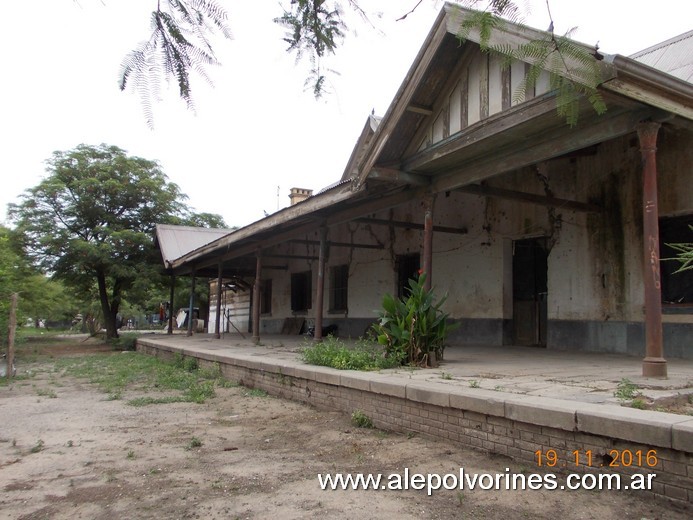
[177, 46]
[314, 29]
[575, 73]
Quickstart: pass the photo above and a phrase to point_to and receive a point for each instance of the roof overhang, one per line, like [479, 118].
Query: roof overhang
[527, 133]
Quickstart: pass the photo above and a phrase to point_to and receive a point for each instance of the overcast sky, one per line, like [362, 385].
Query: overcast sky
[256, 133]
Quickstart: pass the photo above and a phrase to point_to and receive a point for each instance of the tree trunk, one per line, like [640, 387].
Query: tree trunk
[109, 313]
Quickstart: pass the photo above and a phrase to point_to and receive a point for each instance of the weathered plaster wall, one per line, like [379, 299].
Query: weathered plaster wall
[595, 293]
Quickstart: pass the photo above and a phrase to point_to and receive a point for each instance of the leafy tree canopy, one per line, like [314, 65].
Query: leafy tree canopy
[39, 296]
[90, 223]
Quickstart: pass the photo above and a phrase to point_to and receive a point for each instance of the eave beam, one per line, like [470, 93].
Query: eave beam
[398, 176]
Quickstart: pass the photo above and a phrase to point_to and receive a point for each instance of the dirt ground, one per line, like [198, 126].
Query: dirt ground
[68, 452]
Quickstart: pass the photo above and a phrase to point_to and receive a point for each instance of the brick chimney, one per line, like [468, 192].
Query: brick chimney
[299, 195]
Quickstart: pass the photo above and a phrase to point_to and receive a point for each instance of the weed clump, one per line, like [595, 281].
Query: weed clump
[361, 420]
[332, 352]
[626, 390]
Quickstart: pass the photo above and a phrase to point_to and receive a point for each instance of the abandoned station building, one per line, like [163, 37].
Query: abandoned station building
[541, 232]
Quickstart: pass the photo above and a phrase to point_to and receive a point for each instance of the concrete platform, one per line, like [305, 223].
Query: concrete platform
[570, 376]
[512, 401]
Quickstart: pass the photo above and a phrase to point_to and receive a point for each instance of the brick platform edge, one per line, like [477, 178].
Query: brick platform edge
[496, 422]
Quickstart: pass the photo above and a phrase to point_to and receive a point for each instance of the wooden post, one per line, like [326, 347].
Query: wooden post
[191, 303]
[428, 241]
[217, 321]
[320, 290]
[170, 304]
[256, 298]
[654, 364]
[13, 327]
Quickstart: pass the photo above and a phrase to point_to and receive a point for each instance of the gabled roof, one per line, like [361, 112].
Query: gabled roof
[385, 171]
[177, 241]
[442, 53]
[674, 56]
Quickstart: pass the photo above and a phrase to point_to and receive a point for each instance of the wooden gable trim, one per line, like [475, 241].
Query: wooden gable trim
[551, 144]
[482, 130]
[403, 98]
[513, 35]
[442, 101]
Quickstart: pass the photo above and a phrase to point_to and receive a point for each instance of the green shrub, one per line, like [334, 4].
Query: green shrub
[190, 364]
[361, 420]
[332, 352]
[413, 327]
[126, 341]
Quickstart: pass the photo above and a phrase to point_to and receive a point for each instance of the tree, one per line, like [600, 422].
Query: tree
[39, 296]
[90, 223]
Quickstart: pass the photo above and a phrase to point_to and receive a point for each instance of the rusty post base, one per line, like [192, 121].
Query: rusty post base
[256, 340]
[654, 367]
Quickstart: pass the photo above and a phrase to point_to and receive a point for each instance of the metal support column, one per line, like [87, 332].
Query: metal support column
[256, 298]
[191, 304]
[320, 291]
[654, 364]
[428, 241]
[217, 320]
[170, 304]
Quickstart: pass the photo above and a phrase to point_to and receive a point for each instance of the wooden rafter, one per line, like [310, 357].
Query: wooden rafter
[418, 109]
[339, 244]
[531, 198]
[411, 225]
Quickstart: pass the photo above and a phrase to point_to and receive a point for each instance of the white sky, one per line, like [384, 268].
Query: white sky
[256, 129]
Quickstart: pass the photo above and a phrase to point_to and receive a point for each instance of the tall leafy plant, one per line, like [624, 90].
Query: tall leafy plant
[414, 328]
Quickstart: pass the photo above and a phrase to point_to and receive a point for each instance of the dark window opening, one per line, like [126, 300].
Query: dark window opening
[300, 291]
[266, 297]
[339, 281]
[677, 288]
[407, 267]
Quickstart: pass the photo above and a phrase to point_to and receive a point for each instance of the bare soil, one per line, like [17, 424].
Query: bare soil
[79, 455]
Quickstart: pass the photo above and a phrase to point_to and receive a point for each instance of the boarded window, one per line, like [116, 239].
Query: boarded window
[339, 281]
[407, 267]
[266, 297]
[677, 288]
[300, 291]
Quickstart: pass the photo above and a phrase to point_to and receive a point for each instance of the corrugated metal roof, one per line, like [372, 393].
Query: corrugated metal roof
[177, 241]
[674, 56]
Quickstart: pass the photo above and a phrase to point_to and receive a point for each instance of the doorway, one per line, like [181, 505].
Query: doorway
[530, 288]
